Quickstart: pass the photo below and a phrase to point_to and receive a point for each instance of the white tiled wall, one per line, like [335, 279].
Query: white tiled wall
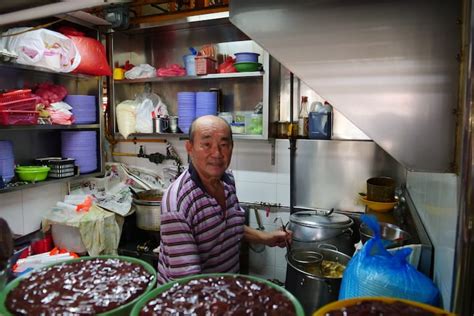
[24, 209]
[435, 197]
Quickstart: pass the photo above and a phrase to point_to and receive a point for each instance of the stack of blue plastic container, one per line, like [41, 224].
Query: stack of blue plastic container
[7, 161]
[206, 103]
[82, 146]
[84, 108]
[186, 110]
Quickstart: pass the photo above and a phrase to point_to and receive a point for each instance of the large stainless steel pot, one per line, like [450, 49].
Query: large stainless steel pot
[148, 209]
[311, 228]
[312, 289]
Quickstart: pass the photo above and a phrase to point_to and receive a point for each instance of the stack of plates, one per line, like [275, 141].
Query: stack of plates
[206, 103]
[82, 146]
[83, 107]
[186, 110]
[7, 161]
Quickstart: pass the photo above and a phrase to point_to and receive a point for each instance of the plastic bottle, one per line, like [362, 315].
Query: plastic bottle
[320, 121]
[303, 118]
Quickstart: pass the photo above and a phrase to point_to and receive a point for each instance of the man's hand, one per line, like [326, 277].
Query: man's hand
[274, 238]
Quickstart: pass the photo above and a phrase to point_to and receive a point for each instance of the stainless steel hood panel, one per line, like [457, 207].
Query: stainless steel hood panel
[389, 66]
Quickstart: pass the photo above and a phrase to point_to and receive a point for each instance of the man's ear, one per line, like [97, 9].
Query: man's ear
[189, 146]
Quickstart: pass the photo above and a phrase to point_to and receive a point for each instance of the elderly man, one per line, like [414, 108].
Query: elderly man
[202, 223]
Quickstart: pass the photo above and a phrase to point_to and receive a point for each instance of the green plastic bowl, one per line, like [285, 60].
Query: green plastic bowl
[247, 66]
[165, 287]
[122, 310]
[32, 173]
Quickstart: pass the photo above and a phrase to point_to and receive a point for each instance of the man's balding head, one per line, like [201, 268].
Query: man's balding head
[208, 120]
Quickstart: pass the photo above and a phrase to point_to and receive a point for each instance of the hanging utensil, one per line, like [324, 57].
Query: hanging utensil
[283, 227]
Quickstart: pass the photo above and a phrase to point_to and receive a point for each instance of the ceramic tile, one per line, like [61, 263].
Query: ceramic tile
[37, 202]
[282, 161]
[262, 264]
[252, 192]
[283, 194]
[280, 257]
[280, 274]
[11, 210]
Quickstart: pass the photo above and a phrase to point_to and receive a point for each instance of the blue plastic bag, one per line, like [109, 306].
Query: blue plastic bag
[373, 271]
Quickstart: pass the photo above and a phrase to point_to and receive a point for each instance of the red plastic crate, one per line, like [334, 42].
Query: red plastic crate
[15, 95]
[205, 65]
[20, 105]
[11, 117]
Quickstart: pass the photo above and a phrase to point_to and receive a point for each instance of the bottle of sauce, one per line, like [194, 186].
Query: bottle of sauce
[303, 118]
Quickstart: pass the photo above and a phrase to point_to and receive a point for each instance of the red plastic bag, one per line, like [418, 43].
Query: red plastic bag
[227, 66]
[93, 58]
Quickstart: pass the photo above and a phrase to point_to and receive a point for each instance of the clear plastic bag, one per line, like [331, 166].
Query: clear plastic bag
[374, 271]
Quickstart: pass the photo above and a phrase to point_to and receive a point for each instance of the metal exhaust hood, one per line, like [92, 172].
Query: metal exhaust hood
[391, 67]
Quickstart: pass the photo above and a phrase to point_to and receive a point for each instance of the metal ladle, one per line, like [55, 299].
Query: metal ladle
[283, 227]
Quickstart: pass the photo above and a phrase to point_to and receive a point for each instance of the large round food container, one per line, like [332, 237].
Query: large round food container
[338, 306]
[121, 310]
[156, 292]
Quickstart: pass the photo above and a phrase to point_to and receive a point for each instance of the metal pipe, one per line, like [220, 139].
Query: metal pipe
[115, 153]
[144, 140]
[292, 140]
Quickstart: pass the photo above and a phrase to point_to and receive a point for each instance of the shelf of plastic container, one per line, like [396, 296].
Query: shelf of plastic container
[190, 78]
[50, 127]
[184, 136]
[50, 181]
[45, 70]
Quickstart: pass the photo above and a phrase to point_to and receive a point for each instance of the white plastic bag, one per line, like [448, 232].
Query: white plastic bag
[143, 114]
[126, 117]
[42, 48]
[141, 71]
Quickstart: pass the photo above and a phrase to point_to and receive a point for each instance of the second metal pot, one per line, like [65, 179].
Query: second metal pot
[312, 289]
[148, 209]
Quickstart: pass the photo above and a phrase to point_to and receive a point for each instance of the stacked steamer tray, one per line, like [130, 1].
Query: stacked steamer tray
[60, 167]
[84, 108]
[81, 146]
[186, 110]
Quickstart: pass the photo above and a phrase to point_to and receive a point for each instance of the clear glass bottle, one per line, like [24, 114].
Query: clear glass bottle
[303, 118]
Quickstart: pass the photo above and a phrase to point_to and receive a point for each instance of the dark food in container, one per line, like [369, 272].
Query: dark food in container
[223, 295]
[82, 287]
[368, 307]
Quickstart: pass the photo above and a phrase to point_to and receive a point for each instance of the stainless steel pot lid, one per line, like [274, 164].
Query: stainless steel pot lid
[312, 219]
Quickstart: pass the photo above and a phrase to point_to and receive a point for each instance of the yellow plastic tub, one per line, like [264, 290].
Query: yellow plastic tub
[335, 306]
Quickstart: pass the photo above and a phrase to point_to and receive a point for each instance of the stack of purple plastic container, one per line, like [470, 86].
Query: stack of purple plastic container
[186, 110]
[82, 146]
[206, 103]
[84, 108]
[7, 161]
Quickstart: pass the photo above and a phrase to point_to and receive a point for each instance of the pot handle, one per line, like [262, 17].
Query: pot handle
[349, 230]
[327, 246]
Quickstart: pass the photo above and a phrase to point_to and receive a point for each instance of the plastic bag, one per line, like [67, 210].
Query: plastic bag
[227, 66]
[373, 271]
[143, 115]
[42, 48]
[126, 117]
[141, 71]
[98, 229]
[93, 57]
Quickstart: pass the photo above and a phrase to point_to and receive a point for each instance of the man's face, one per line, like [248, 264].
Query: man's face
[211, 150]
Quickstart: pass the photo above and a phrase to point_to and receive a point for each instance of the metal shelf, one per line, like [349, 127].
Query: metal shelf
[50, 127]
[190, 78]
[43, 70]
[49, 181]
